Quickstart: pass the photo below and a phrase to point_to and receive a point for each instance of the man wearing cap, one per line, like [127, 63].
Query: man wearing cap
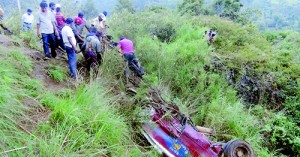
[91, 49]
[80, 24]
[46, 27]
[52, 7]
[27, 19]
[60, 19]
[60, 22]
[100, 24]
[70, 44]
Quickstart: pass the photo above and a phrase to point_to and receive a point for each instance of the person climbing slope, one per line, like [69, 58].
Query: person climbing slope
[126, 47]
[92, 48]
[70, 44]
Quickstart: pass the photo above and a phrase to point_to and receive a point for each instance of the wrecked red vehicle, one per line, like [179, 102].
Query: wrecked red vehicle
[174, 135]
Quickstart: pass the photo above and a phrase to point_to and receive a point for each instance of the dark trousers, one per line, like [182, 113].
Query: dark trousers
[49, 39]
[60, 42]
[72, 61]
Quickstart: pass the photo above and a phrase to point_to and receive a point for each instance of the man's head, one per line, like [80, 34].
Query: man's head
[43, 6]
[52, 6]
[101, 17]
[122, 38]
[69, 21]
[93, 30]
[58, 7]
[80, 15]
[29, 11]
[58, 10]
[104, 13]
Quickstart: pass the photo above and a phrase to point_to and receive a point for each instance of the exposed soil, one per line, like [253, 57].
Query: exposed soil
[35, 112]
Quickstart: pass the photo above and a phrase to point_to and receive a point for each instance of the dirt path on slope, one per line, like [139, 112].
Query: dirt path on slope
[35, 113]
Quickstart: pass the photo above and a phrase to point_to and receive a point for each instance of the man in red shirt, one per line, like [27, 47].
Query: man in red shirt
[60, 21]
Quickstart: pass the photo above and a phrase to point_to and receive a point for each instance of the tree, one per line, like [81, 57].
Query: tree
[193, 7]
[125, 5]
[227, 8]
[90, 9]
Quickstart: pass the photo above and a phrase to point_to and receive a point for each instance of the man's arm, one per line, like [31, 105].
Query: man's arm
[119, 48]
[86, 26]
[55, 30]
[71, 42]
[3, 26]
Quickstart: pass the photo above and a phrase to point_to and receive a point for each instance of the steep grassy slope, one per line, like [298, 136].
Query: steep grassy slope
[38, 121]
[210, 81]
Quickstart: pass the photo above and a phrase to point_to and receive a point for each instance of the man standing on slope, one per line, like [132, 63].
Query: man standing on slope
[46, 26]
[60, 21]
[70, 44]
[27, 20]
[79, 24]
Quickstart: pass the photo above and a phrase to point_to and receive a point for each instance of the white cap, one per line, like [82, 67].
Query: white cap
[57, 5]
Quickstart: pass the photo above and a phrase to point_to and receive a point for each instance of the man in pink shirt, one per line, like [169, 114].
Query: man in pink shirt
[126, 47]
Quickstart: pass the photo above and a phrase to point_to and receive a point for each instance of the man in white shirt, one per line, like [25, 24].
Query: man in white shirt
[27, 20]
[70, 44]
[46, 27]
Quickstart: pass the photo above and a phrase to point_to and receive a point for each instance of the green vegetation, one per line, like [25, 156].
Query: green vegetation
[57, 73]
[82, 122]
[200, 76]
[245, 86]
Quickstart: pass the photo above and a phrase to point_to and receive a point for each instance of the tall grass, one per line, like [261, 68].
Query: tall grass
[187, 66]
[82, 122]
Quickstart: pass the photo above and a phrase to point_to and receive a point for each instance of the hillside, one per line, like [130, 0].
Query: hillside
[245, 85]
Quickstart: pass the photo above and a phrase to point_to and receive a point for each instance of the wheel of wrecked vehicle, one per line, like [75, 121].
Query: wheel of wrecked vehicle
[238, 148]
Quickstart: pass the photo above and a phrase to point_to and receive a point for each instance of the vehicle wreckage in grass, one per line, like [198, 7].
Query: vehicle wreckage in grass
[174, 135]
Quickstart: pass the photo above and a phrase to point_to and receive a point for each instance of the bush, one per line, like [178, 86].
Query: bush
[166, 33]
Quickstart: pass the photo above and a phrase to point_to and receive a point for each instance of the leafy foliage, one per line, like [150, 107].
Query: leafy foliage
[200, 74]
[193, 7]
[228, 8]
[125, 5]
[166, 33]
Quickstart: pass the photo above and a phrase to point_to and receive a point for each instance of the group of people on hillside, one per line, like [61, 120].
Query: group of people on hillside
[59, 32]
